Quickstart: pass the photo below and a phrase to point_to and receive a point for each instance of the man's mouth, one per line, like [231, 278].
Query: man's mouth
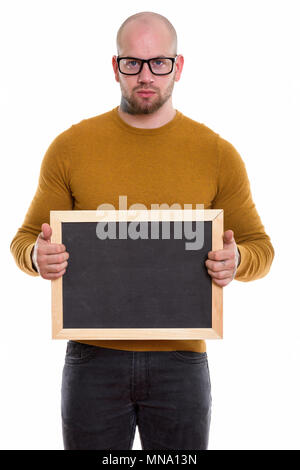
[145, 93]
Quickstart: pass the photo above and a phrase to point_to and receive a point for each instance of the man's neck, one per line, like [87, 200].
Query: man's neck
[149, 121]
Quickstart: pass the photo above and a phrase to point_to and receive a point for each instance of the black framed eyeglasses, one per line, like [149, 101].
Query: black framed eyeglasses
[157, 65]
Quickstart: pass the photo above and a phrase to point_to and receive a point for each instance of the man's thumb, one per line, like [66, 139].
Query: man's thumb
[228, 236]
[46, 232]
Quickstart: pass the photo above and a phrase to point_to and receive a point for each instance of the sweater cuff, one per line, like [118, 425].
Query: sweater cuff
[239, 253]
[244, 257]
[29, 266]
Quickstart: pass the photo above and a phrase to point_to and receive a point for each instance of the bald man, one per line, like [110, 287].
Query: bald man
[155, 155]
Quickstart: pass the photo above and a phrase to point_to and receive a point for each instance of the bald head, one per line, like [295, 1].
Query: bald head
[147, 20]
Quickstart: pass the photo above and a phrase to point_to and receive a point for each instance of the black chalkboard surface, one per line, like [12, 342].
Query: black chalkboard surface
[134, 285]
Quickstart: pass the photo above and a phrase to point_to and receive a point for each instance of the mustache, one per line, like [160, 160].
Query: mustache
[145, 89]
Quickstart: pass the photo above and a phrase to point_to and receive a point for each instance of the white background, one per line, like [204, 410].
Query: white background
[240, 78]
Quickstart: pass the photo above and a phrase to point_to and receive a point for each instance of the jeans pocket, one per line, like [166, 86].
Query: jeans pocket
[78, 353]
[191, 357]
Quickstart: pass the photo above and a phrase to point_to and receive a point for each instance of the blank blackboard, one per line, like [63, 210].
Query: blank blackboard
[137, 288]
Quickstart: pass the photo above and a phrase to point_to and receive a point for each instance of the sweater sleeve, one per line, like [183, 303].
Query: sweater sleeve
[53, 193]
[240, 214]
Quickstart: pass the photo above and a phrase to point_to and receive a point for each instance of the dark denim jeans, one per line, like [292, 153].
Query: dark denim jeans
[107, 392]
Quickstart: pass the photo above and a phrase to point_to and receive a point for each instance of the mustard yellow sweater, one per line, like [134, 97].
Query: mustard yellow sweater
[101, 158]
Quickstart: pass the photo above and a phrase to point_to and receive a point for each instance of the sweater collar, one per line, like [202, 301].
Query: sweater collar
[142, 131]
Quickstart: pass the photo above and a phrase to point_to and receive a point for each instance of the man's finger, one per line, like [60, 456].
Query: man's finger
[229, 236]
[221, 274]
[222, 282]
[46, 232]
[57, 258]
[220, 255]
[55, 268]
[51, 248]
[220, 265]
[52, 276]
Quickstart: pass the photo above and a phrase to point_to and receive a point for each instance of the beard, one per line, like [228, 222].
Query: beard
[132, 104]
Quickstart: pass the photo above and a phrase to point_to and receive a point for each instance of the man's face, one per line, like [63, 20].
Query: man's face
[145, 42]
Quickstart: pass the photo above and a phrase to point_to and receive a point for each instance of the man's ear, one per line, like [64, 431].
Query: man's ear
[115, 68]
[178, 67]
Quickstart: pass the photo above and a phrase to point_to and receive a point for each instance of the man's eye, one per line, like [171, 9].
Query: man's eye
[158, 62]
[133, 63]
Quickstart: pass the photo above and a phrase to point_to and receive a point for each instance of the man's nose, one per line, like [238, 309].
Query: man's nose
[145, 74]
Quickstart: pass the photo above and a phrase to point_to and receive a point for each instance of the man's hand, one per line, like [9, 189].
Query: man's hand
[222, 264]
[49, 258]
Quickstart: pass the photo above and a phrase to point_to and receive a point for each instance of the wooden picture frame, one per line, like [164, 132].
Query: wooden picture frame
[60, 219]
